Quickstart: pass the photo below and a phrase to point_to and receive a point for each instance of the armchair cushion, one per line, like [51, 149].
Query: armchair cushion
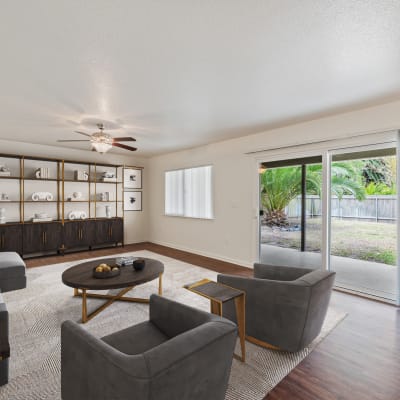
[126, 341]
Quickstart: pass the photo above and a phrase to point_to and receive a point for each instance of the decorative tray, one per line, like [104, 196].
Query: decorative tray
[104, 271]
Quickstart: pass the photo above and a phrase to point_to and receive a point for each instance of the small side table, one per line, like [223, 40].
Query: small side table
[218, 294]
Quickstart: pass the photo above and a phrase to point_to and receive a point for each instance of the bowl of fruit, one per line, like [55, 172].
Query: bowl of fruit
[103, 271]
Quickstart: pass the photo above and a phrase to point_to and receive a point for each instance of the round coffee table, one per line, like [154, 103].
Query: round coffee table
[80, 277]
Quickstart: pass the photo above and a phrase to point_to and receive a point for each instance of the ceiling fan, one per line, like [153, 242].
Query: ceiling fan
[102, 142]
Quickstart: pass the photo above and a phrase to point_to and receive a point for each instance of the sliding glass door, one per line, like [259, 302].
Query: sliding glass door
[336, 211]
[363, 221]
[290, 223]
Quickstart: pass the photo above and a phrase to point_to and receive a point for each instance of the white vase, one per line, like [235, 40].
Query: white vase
[108, 211]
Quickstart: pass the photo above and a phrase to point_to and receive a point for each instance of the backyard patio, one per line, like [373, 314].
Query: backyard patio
[363, 253]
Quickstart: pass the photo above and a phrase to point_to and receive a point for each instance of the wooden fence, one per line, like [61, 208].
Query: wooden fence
[373, 208]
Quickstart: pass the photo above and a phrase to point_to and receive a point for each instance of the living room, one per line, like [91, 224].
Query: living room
[228, 86]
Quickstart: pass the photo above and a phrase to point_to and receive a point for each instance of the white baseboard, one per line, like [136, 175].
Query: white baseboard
[242, 263]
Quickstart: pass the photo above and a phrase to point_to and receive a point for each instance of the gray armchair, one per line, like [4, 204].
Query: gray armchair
[4, 345]
[285, 306]
[180, 353]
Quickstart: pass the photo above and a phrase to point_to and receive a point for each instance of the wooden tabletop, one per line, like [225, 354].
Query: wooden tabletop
[81, 276]
[214, 290]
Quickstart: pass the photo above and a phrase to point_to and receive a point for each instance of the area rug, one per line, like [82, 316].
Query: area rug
[37, 312]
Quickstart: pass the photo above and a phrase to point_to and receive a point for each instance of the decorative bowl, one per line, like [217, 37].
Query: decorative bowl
[109, 272]
[139, 264]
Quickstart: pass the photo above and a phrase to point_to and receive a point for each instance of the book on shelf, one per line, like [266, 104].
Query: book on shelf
[113, 180]
[5, 173]
[42, 219]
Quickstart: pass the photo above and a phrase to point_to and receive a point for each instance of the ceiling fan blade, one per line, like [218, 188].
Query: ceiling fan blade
[83, 133]
[124, 139]
[83, 140]
[122, 146]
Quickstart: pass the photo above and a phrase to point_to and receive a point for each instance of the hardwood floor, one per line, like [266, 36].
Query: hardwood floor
[359, 360]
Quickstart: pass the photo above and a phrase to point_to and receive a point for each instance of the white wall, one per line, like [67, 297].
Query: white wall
[232, 235]
[136, 222]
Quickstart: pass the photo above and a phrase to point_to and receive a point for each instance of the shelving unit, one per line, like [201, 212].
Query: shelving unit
[62, 233]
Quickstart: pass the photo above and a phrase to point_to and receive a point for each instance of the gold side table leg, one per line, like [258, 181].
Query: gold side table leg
[76, 292]
[84, 306]
[160, 284]
[215, 307]
[240, 315]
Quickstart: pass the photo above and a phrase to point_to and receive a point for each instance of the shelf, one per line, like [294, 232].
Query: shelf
[43, 222]
[75, 181]
[10, 177]
[43, 179]
[41, 201]
[75, 201]
[107, 183]
[11, 201]
[106, 201]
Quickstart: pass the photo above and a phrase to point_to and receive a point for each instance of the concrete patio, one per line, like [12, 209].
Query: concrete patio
[373, 278]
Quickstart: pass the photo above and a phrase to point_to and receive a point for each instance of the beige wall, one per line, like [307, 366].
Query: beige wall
[136, 223]
[232, 235]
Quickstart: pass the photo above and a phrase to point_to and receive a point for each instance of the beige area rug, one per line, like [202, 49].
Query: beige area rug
[36, 314]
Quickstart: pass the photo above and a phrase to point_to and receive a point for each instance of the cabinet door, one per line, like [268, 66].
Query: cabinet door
[33, 238]
[78, 234]
[52, 236]
[11, 238]
[103, 231]
[72, 235]
[117, 230]
[87, 233]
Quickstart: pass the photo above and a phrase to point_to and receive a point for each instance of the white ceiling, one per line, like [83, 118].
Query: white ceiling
[180, 73]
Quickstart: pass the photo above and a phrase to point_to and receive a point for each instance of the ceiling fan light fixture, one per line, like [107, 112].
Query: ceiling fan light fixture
[101, 142]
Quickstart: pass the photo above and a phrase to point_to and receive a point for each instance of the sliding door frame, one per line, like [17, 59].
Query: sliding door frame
[327, 149]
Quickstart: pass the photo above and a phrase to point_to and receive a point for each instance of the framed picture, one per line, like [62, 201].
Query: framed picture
[133, 201]
[132, 178]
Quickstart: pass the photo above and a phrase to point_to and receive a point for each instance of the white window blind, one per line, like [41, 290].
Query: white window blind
[188, 192]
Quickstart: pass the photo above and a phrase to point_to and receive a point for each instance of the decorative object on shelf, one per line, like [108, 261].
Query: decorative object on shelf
[139, 264]
[108, 211]
[106, 196]
[132, 178]
[102, 142]
[42, 173]
[77, 215]
[41, 217]
[2, 215]
[4, 197]
[108, 176]
[81, 176]
[4, 171]
[77, 195]
[42, 196]
[133, 201]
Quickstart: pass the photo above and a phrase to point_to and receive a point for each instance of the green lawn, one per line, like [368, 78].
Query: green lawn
[370, 241]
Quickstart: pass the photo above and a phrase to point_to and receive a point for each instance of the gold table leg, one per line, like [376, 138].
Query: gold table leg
[160, 284]
[84, 306]
[240, 316]
[110, 299]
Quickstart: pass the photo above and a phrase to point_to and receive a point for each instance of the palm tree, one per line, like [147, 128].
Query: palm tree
[279, 186]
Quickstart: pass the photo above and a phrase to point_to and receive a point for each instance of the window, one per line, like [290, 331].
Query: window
[188, 192]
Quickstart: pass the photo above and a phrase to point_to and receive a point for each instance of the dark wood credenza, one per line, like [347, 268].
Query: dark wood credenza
[54, 237]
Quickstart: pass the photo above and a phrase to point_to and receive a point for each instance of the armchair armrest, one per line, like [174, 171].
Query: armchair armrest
[173, 318]
[195, 364]
[280, 273]
[4, 345]
[91, 369]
